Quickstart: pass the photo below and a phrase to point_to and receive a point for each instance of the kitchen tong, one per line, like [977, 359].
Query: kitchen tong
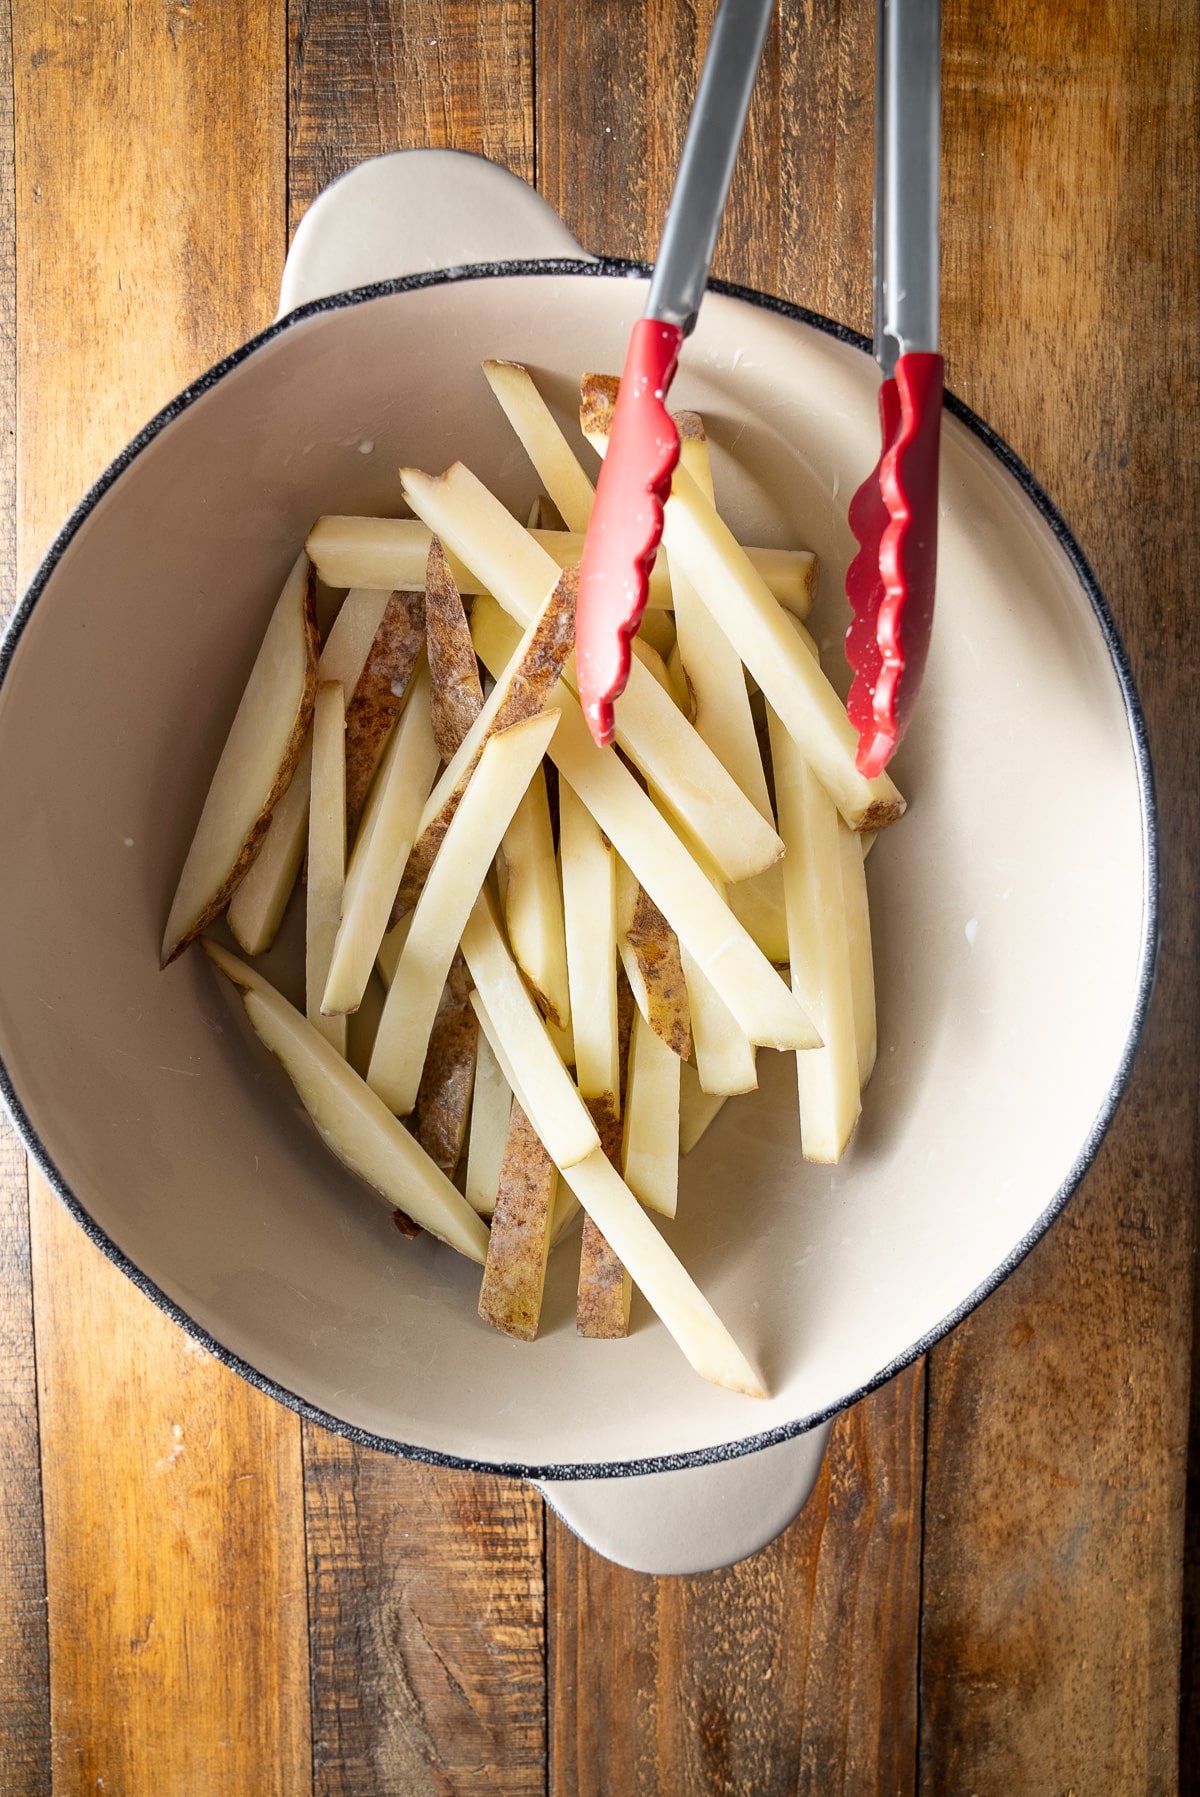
[893, 515]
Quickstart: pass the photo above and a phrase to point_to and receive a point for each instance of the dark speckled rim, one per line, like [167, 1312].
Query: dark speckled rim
[1137, 730]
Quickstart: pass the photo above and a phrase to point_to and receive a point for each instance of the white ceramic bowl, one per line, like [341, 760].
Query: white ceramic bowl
[1013, 906]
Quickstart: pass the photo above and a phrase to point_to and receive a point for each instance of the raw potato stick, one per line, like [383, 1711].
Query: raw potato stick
[514, 1276]
[379, 694]
[447, 1079]
[505, 770]
[326, 855]
[589, 886]
[858, 932]
[650, 955]
[454, 672]
[650, 1144]
[381, 851]
[359, 1129]
[724, 1055]
[510, 1020]
[553, 459]
[257, 907]
[649, 726]
[491, 1106]
[519, 1038]
[533, 902]
[256, 764]
[389, 554]
[604, 1289]
[521, 690]
[697, 1108]
[704, 925]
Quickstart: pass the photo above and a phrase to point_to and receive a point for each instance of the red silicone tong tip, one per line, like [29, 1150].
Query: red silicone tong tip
[626, 523]
[890, 582]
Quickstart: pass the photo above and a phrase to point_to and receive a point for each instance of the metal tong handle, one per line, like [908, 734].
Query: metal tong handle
[907, 142]
[706, 166]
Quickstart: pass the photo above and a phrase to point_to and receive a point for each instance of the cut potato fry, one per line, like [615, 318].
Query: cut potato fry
[650, 1146]
[381, 851]
[566, 1210]
[747, 982]
[519, 1039]
[389, 555]
[858, 937]
[829, 1088]
[255, 766]
[457, 697]
[589, 886]
[604, 1290]
[491, 1107]
[521, 690]
[326, 856]
[697, 1108]
[510, 1020]
[378, 695]
[448, 1076]
[649, 726]
[724, 1055]
[391, 949]
[657, 628]
[604, 1293]
[656, 667]
[553, 459]
[355, 1124]
[649, 951]
[533, 903]
[677, 675]
[514, 1275]
[680, 1305]
[257, 907]
[505, 770]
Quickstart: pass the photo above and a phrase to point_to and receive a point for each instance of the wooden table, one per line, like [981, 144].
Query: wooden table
[201, 1595]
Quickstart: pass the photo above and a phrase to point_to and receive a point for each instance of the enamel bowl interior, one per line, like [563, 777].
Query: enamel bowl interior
[1009, 905]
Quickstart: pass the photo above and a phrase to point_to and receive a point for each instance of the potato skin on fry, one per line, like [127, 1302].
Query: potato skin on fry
[444, 1095]
[379, 695]
[532, 683]
[457, 696]
[656, 949]
[605, 1290]
[514, 1275]
[287, 767]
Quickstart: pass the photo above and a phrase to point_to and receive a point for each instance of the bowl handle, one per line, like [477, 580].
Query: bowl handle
[697, 1518]
[414, 211]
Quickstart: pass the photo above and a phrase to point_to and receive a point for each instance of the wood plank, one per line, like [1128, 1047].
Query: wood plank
[174, 1545]
[371, 76]
[750, 1679]
[24, 1645]
[150, 232]
[426, 1599]
[1059, 1412]
[793, 1672]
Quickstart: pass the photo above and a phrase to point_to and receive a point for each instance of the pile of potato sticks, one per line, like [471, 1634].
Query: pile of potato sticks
[583, 949]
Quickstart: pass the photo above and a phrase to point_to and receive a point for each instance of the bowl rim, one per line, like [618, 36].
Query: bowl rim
[622, 268]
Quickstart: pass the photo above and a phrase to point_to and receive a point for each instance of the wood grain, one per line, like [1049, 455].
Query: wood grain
[174, 1545]
[24, 1643]
[371, 76]
[1058, 1413]
[793, 1672]
[427, 1628]
[150, 218]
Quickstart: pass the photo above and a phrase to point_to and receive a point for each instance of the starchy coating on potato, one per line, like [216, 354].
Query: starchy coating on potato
[457, 696]
[378, 696]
